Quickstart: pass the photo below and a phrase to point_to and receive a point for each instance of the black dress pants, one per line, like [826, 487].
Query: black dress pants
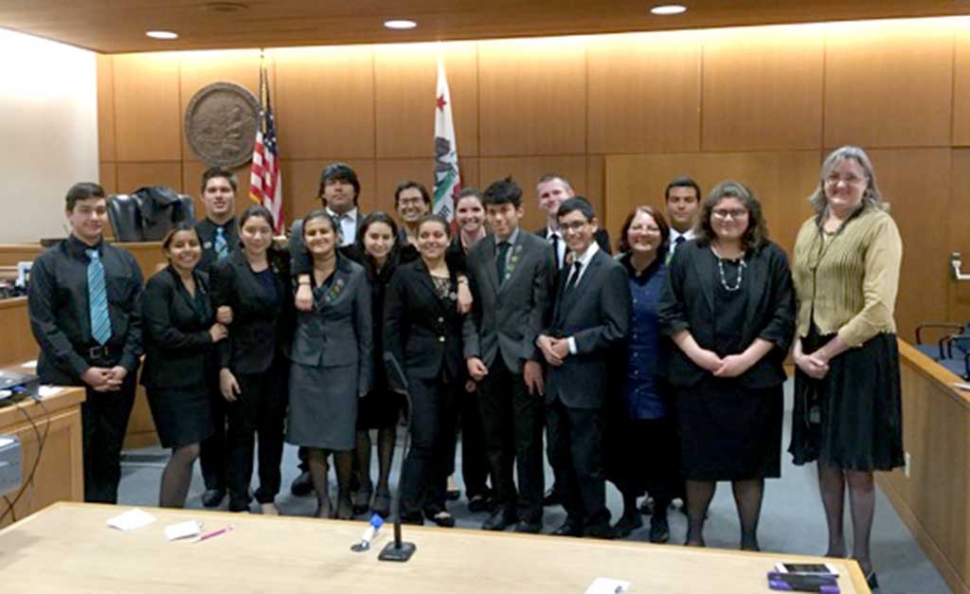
[213, 455]
[575, 446]
[512, 419]
[474, 461]
[424, 477]
[260, 409]
[104, 419]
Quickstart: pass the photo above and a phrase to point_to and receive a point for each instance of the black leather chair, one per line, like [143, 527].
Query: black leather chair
[130, 223]
[952, 351]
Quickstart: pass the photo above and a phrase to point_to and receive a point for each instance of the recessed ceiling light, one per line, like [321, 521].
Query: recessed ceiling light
[400, 24]
[162, 34]
[668, 9]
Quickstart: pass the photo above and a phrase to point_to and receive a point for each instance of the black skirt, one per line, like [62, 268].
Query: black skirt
[182, 415]
[729, 432]
[851, 418]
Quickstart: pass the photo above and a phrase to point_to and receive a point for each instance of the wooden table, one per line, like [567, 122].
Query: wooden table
[68, 548]
[60, 472]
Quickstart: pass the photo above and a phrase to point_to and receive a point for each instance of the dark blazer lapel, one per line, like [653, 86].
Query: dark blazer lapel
[584, 281]
[516, 258]
[707, 274]
[756, 278]
[424, 279]
[490, 269]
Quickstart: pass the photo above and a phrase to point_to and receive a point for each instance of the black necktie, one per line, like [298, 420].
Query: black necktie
[503, 251]
[555, 250]
[577, 266]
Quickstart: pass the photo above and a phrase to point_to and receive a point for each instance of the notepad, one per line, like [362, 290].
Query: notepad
[602, 585]
[189, 529]
[131, 520]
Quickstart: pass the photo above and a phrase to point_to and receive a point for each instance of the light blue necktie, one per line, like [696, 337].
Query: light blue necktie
[221, 245]
[98, 299]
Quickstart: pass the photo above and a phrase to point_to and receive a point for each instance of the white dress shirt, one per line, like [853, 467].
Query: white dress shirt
[347, 223]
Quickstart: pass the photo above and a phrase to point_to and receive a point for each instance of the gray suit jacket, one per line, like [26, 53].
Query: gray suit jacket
[507, 317]
[596, 313]
[339, 332]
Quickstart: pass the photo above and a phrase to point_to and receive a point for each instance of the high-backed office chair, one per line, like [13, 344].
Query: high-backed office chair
[952, 351]
[148, 214]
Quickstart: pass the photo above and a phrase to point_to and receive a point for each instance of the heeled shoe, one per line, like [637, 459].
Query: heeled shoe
[872, 581]
[382, 503]
[443, 518]
[325, 510]
[269, 509]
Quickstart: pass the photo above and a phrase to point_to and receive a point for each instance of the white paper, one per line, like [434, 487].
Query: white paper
[5, 441]
[961, 385]
[48, 391]
[602, 585]
[30, 364]
[131, 520]
[188, 529]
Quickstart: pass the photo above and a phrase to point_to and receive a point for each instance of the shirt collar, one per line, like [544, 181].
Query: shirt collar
[688, 235]
[512, 238]
[80, 247]
[550, 232]
[350, 215]
[588, 254]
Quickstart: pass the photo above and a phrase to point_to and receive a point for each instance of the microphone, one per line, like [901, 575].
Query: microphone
[397, 550]
[372, 528]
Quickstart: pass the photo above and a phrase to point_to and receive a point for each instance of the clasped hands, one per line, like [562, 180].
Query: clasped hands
[554, 350]
[104, 379]
[729, 366]
[814, 365]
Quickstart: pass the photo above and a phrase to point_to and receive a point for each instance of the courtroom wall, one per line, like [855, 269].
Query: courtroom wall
[617, 114]
[48, 104]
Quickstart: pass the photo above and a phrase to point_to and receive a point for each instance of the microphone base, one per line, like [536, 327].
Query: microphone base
[401, 553]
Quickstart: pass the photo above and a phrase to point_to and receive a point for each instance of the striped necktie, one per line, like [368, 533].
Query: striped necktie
[221, 245]
[98, 299]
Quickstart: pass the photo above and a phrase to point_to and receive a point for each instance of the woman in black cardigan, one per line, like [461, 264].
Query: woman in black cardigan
[254, 283]
[180, 334]
[422, 338]
[728, 305]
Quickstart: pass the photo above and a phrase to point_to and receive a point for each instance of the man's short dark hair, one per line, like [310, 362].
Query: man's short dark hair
[576, 203]
[407, 185]
[82, 191]
[682, 182]
[217, 171]
[503, 191]
[341, 172]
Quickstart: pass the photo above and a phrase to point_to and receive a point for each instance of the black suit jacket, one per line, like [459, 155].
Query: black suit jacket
[259, 329]
[596, 313]
[507, 317]
[687, 303]
[421, 331]
[178, 347]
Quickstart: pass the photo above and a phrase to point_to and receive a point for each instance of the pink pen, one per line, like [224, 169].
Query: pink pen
[215, 533]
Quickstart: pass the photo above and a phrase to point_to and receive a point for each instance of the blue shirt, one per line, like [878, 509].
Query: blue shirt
[640, 388]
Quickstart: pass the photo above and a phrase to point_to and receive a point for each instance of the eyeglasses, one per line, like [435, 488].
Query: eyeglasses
[573, 227]
[723, 213]
[849, 180]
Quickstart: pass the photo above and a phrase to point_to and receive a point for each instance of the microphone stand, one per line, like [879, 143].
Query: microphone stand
[398, 550]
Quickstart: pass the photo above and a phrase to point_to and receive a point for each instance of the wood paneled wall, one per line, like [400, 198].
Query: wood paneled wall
[619, 115]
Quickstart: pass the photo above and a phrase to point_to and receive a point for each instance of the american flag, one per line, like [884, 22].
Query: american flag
[265, 182]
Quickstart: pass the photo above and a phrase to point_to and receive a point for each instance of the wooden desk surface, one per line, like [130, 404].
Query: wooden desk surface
[68, 548]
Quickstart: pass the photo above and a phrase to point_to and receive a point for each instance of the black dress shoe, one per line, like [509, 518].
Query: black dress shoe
[871, 581]
[302, 485]
[213, 497]
[479, 503]
[627, 524]
[552, 497]
[600, 530]
[499, 520]
[569, 528]
[659, 530]
[527, 527]
[442, 518]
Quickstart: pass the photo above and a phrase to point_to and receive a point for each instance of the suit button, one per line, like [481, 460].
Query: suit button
[441, 339]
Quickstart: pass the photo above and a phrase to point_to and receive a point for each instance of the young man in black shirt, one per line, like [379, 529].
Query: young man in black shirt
[85, 312]
[219, 234]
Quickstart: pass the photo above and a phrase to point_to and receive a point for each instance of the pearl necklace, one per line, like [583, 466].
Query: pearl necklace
[720, 269]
